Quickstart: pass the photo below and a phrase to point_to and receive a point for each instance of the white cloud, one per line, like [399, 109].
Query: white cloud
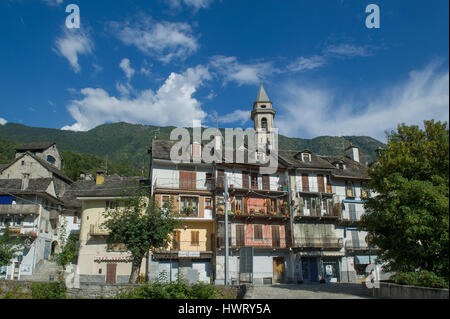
[73, 43]
[172, 104]
[237, 116]
[53, 3]
[312, 112]
[163, 40]
[125, 65]
[232, 70]
[304, 64]
[346, 49]
[3, 121]
[195, 4]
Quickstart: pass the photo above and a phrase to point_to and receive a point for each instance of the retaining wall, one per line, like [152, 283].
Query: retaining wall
[394, 291]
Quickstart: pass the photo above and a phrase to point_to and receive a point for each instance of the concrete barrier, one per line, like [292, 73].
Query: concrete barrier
[394, 291]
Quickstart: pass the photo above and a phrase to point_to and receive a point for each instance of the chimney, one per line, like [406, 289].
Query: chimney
[352, 151]
[100, 178]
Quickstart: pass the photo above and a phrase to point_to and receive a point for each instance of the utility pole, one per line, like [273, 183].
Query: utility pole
[225, 195]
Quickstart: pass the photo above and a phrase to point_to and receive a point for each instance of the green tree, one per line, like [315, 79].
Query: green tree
[68, 247]
[9, 247]
[409, 216]
[140, 225]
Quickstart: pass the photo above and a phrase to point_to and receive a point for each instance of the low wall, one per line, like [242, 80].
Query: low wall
[97, 290]
[20, 286]
[394, 291]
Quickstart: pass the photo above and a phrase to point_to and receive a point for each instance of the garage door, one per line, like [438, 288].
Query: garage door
[170, 268]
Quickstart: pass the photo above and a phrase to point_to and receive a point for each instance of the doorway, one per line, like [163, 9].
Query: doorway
[310, 272]
[111, 270]
[278, 269]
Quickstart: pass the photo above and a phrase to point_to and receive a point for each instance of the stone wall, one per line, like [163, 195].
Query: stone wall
[394, 291]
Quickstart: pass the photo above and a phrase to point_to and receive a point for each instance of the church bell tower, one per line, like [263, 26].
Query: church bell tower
[262, 116]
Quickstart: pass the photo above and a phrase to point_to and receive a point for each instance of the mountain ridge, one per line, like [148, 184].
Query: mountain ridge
[128, 143]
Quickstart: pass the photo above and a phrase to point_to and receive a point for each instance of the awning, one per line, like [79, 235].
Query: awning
[6, 200]
[365, 259]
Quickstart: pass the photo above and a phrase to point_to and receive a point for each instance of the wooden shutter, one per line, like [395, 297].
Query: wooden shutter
[257, 232]
[245, 204]
[275, 236]
[220, 177]
[245, 180]
[305, 183]
[328, 184]
[195, 238]
[240, 239]
[266, 182]
[75, 218]
[233, 204]
[176, 240]
[320, 183]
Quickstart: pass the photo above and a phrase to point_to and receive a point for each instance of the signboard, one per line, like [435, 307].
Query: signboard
[188, 254]
[106, 259]
[329, 270]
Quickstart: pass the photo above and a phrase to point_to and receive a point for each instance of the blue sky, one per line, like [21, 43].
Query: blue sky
[168, 62]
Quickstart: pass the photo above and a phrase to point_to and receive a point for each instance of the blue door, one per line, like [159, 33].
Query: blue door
[309, 270]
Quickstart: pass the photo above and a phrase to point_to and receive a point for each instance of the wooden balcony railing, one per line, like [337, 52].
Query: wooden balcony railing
[19, 209]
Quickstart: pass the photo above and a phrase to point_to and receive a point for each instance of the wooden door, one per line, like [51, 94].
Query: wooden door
[111, 270]
[220, 178]
[278, 269]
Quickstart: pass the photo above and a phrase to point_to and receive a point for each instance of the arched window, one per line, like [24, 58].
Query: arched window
[264, 123]
[51, 159]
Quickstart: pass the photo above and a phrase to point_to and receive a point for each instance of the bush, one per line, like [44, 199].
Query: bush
[50, 290]
[421, 278]
[162, 289]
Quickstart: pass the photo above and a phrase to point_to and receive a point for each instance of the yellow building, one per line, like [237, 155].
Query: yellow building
[97, 261]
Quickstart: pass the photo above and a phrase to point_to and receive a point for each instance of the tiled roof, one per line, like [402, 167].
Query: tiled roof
[36, 186]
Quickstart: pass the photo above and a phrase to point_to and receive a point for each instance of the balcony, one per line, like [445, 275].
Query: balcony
[333, 211]
[19, 209]
[97, 230]
[358, 246]
[265, 242]
[319, 243]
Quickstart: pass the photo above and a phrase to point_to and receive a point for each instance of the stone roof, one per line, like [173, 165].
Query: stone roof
[262, 95]
[352, 168]
[35, 146]
[112, 186]
[293, 158]
[36, 186]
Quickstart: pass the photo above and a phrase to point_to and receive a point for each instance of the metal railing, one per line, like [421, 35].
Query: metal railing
[97, 230]
[319, 242]
[238, 242]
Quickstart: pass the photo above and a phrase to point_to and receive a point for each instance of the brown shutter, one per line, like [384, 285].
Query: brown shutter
[233, 204]
[266, 182]
[183, 179]
[240, 241]
[275, 236]
[320, 182]
[328, 185]
[194, 237]
[245, 204]
[220, 177]
[245, 180]
[305, 183]
[254, 180]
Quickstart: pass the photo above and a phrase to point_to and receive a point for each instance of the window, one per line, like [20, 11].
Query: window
[165, 199]
[189, 205]
[176, 241]
[51, 159]
[365, 193]
[208, 203]
[350, 191]
[263, 106]
[306, 157]
[257, 232]
[195, 238]
[239, 206]
[320, 183]
[254, 180]
[273, 205]
[264, 123]
[266, 182]
[220, 178]
[245, 179]
[75, 218]
[209, 180]
[22, 163]
[111, 204]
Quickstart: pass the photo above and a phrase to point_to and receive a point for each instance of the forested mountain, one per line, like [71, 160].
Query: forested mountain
[125, 145]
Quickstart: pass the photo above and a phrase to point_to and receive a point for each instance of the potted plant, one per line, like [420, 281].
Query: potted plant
[189, 210]
[238, 212]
